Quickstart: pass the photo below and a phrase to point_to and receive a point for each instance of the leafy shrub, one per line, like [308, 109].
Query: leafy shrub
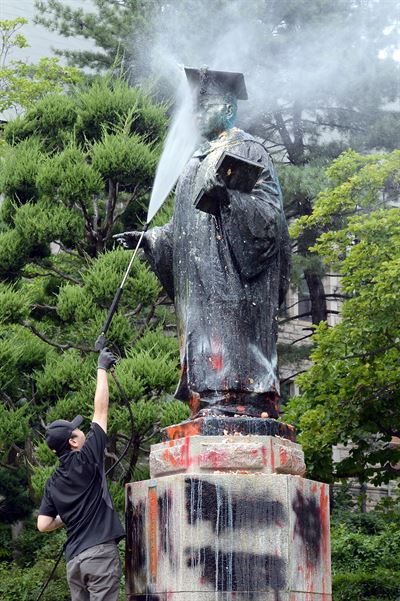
[378, 586]
[366, 555]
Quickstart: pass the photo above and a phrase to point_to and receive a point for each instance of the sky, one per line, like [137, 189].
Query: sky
[41, 40]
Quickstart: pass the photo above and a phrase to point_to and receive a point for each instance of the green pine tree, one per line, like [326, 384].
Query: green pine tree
[77, 169]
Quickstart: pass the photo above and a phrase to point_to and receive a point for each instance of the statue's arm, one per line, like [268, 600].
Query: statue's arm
[157, 246]
[254, 222]
[159, 252]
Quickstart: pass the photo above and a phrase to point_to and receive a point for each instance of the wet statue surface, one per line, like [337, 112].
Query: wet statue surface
[227, 271]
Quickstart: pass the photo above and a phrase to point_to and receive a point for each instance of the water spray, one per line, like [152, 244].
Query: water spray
[178, 148]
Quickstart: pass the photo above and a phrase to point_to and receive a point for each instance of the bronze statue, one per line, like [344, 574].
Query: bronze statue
[226, 266]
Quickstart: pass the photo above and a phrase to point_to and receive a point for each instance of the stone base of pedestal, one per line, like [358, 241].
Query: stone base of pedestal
[227, 517]
[230, 597]
[244, 454]
[228, 537]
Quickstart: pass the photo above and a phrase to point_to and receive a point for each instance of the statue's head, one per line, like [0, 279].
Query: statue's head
[216, 94]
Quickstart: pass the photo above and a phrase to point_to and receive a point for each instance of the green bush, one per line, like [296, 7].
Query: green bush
[35, 555]
[378, 586]
[18, 584]
[366, 555]
[5, 540]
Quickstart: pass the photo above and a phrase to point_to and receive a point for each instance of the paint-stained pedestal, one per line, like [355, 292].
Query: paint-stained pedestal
[226, 519]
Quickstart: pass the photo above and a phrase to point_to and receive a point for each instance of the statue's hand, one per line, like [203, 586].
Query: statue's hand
[215, 187]
[128, 239]
[213, 182]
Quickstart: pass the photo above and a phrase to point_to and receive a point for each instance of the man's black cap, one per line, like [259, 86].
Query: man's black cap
[59, 432]
[204, 81]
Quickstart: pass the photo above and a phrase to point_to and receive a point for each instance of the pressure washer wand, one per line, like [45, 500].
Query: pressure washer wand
[101, 341]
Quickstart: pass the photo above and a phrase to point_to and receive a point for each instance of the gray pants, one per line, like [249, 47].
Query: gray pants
[94, 574]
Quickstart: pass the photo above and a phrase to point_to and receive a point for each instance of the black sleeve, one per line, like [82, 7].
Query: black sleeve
[95, 444]
[159, 253]
[47, 506]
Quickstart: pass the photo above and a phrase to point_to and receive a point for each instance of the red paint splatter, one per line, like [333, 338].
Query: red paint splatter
[216, 458]
[324, 511]
[183, 430]
[272, 456]
[185, 452]
[167, 456]
[217, 362]
[283, 456]
[264, 454]
[216, 359]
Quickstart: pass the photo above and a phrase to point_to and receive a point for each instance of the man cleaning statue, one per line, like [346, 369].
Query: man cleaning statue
[225, 262]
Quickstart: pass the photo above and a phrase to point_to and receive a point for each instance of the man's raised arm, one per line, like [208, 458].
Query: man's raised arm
[101, 398]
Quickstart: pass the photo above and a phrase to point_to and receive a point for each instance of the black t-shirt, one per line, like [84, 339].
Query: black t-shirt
[78, 493]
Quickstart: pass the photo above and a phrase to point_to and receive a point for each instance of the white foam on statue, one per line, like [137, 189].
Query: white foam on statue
[179, 145]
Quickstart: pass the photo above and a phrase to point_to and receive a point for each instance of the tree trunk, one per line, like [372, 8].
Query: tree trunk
[317, 296]
[292, 139]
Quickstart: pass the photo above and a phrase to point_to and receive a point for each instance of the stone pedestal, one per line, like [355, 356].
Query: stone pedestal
[227, 517]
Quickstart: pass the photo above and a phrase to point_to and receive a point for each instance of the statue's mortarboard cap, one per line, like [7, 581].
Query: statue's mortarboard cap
[205, 81]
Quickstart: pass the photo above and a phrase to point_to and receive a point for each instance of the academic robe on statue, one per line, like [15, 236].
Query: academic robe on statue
[227, 276]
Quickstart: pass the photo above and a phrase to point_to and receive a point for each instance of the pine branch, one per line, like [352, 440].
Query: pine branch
[67, 250]
[135, 311]
[50, 308]
[132, 197]
[53, 270]
[7, 398]
[142, 329]
[110, 207]
[62, 347]
[156, 430]
[12, 468]
[88, 222]
[95, 214]
[335, 125]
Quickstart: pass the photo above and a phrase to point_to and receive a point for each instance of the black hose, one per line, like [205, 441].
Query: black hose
[51, 574]
[132, 420]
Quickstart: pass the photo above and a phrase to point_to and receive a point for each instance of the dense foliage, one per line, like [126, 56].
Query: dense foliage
[22, 83]
[365, 553]
[113, 27]
[75, 169]
[321, 76]
[351, 392]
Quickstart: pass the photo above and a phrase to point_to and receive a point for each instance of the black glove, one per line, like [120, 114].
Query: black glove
[128, 240]
[106, 360]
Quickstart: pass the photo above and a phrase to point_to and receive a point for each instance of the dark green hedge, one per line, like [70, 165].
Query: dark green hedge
[382, 585]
